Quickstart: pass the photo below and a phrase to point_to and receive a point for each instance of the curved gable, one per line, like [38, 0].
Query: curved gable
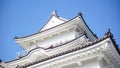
[53, 21]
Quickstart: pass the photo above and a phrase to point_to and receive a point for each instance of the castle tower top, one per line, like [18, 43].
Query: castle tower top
[54, 20]
[54, 13]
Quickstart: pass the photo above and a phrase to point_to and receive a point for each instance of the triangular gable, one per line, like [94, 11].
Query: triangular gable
[53, 21]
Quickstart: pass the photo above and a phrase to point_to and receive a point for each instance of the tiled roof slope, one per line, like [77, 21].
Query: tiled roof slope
[107, 35]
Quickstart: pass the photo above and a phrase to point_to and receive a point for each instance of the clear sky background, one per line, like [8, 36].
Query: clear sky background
[24, 17]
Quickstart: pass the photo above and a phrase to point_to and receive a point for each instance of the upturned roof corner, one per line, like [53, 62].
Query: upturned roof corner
[54, 13]
[80, 14]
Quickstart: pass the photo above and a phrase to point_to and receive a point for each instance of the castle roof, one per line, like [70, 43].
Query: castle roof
[57, 26]
[59, 23]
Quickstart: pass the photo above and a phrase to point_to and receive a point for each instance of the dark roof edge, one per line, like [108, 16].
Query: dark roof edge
[115, 45]
[113, 40]
[87, 26]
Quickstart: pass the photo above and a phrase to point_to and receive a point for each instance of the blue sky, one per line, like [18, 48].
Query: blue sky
[24, 17]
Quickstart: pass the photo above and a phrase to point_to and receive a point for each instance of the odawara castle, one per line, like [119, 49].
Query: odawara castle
[63, 43]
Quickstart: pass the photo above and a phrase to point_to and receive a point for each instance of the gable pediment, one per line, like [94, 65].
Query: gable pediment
[53, 21]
